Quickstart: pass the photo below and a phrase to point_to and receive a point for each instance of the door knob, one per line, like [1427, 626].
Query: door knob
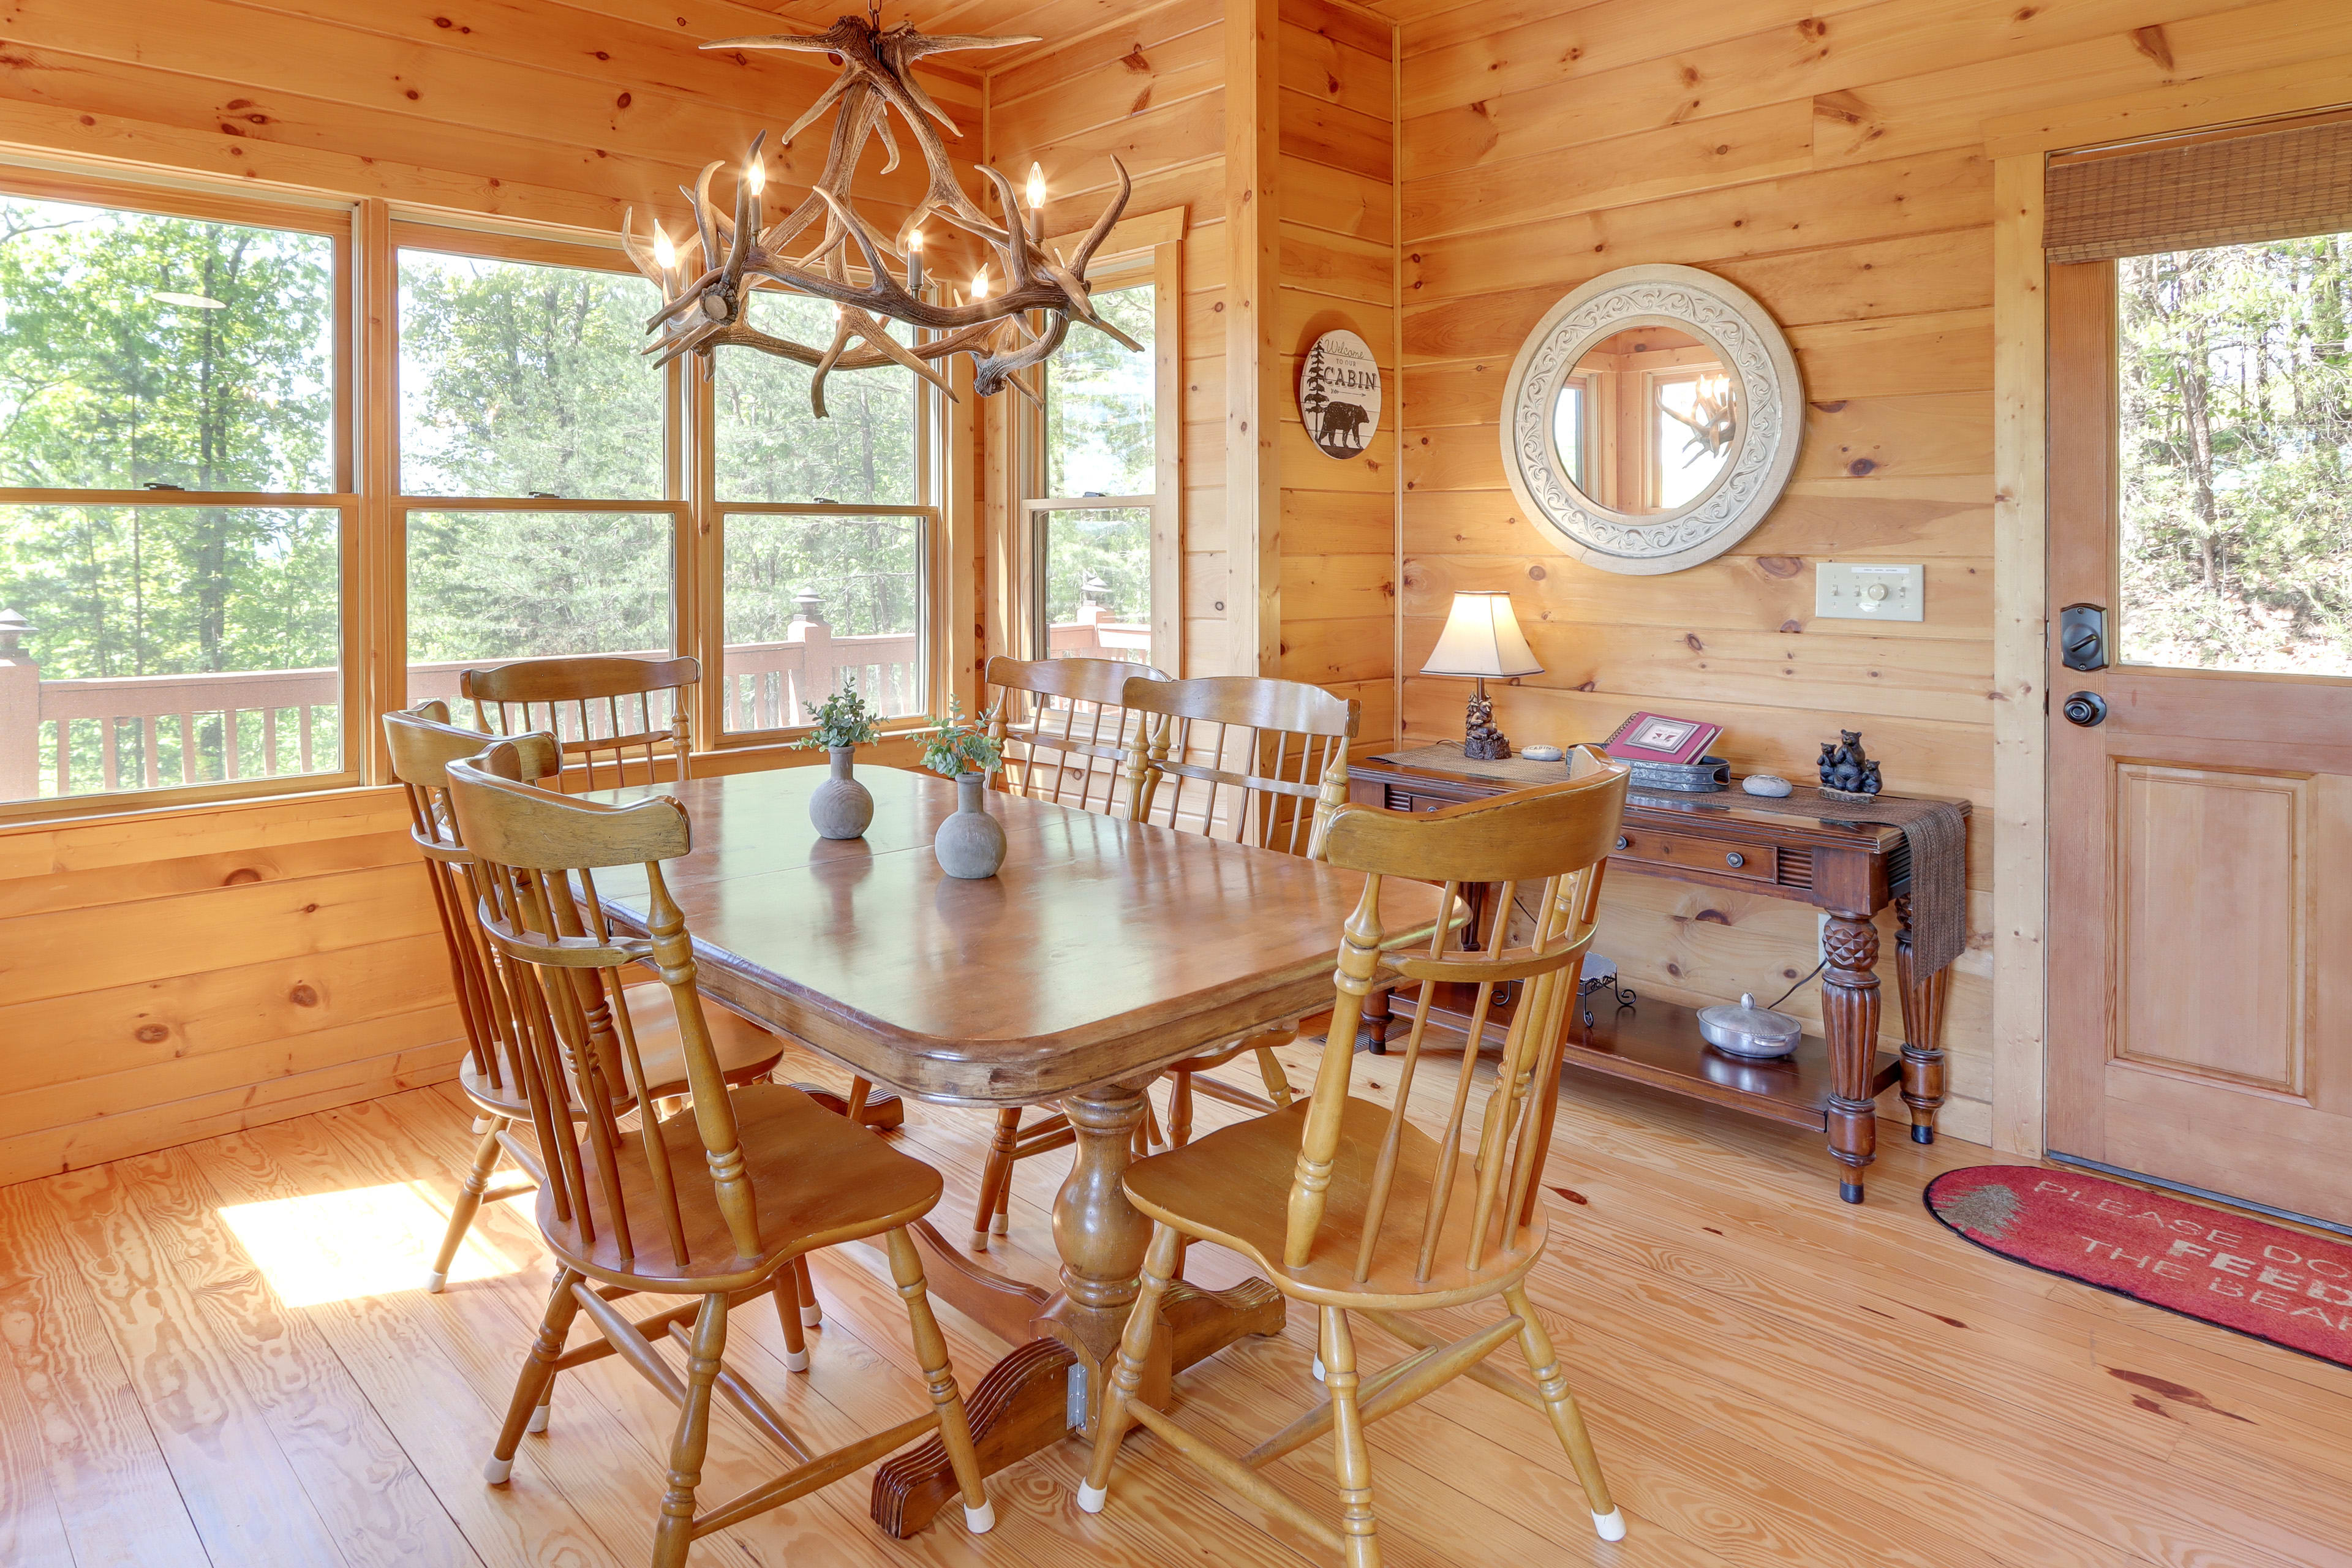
[2084, 707]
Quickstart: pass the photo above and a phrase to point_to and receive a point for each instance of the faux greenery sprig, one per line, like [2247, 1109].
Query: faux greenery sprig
[956, 745]
[843, 720]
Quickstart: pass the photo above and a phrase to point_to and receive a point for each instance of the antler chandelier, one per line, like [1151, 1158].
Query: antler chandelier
[707, 307]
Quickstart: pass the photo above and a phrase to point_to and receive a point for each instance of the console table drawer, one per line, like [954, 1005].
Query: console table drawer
[1756, 863]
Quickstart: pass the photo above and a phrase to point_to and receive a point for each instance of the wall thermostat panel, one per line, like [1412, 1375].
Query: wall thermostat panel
[1869, 591]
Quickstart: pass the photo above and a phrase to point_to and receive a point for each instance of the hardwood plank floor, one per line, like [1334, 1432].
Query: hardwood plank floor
[216, 1356]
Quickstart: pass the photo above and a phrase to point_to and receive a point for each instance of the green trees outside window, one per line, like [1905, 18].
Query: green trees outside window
[2235, 381]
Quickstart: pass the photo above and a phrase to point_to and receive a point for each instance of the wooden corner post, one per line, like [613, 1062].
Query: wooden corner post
[1254, 366]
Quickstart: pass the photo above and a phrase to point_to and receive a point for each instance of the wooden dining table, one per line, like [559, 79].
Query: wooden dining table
[1101, 952]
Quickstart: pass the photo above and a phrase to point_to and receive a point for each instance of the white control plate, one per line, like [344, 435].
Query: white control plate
[1869, 591]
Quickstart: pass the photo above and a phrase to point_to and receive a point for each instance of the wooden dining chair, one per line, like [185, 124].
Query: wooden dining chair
[713, 1204]
[618, 719]
[1355, 1209]
[1260, 761]
[424, 744]
[1064, 726]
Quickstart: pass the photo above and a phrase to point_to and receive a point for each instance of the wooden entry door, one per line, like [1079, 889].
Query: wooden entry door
[2200, 900]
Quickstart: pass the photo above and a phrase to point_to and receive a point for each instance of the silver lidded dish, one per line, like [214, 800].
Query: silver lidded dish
[1749, 1031]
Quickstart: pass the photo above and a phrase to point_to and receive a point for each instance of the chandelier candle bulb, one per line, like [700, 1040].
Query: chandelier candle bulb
[980, 284]
[915, 262]
[755, 177]
[1037, 203]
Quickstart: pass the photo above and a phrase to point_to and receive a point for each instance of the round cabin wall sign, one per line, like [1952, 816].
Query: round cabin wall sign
[1339, 393]
[1652, 419]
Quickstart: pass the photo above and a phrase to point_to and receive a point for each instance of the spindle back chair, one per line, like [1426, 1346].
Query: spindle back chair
[608, 710]
[716, 1201]
[1287, 744]
[1044, 759]
[1275, 758]
[422, 744]
[1349, 1205]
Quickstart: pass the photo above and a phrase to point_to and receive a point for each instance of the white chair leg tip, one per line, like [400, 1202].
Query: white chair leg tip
[796, 1361]
[1611, 1525]
[999, 1226]
[1091, 1498]
[1318, 1369]
[498, 1471]
[981, 1519]
[811, 1316]
[436, 1283]
[481, 1125]
[537, 1422]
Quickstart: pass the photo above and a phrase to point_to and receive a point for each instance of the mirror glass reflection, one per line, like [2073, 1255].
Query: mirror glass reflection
[1647, 420]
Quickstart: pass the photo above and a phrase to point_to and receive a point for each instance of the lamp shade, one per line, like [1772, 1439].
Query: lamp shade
[1482, 638]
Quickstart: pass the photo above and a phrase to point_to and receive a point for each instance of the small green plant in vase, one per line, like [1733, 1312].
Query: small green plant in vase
[971, 843]
[841, 807]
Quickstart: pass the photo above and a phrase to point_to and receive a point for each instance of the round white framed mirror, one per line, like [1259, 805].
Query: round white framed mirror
[1652, 419]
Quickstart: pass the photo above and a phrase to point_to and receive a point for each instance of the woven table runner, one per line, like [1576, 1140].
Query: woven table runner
[1937, 832]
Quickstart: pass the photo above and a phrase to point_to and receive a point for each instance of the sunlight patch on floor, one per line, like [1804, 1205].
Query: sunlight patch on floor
[362, 1241]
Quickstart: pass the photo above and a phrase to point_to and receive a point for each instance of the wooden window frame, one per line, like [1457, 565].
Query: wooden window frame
[1148, 248]
[373, 509]
[937, 423]
[338, 222]
[536, 249]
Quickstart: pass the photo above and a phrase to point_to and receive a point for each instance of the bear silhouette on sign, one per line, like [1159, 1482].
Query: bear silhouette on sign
[1342, 428]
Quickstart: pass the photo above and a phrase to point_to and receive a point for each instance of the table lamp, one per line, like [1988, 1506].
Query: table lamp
[1482, 638]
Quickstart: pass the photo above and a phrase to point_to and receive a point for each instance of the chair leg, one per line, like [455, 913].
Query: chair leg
[673, 1532]
[469, 1201]
[931, 1351]
[1567, 1420]
[1180, 1109]
[812, 1314]
[537, 1378]
[996, 1175]
[787, 1293]
[1001, 1223]
[858, 1089]
[1359, 1534]
[1278, 1083]
[1160, 1263]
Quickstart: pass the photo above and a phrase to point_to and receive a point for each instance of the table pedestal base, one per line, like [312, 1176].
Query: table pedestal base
[1051, 1386]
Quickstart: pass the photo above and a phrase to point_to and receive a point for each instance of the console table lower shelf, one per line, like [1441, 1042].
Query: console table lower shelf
[1658, 1042]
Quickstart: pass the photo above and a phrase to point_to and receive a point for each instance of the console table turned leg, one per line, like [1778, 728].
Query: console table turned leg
[1922, 1031]
[1850, 1018]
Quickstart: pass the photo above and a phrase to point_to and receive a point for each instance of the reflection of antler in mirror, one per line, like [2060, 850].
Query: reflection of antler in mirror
[1712, 423]
[707, 285]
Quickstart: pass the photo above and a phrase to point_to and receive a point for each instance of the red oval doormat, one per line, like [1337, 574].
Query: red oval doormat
[2259, 1279]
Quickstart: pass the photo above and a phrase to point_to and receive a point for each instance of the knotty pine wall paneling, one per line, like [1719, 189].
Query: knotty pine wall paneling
[1338, 226]
[1826, 155]
[175, 975]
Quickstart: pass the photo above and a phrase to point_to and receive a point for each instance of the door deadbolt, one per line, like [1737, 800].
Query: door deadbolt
[2083, 637]
[2084, 707]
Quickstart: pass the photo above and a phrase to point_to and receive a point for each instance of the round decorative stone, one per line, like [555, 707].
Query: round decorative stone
[1766, 784]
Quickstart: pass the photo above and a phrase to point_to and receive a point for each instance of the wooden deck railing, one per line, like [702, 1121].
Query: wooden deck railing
[158, 731]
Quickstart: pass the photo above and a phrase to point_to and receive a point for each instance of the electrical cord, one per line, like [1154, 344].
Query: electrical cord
[1800, 985]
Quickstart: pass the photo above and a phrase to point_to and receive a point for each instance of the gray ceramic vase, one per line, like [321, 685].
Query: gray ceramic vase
[971, 843]
[841, 806]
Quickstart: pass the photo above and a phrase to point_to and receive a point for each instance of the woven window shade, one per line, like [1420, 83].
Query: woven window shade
[2241, 190]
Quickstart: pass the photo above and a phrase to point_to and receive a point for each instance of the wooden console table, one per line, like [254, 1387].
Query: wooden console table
[1849, 871]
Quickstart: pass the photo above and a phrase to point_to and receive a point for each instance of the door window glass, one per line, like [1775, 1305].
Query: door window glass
[2234, 388]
